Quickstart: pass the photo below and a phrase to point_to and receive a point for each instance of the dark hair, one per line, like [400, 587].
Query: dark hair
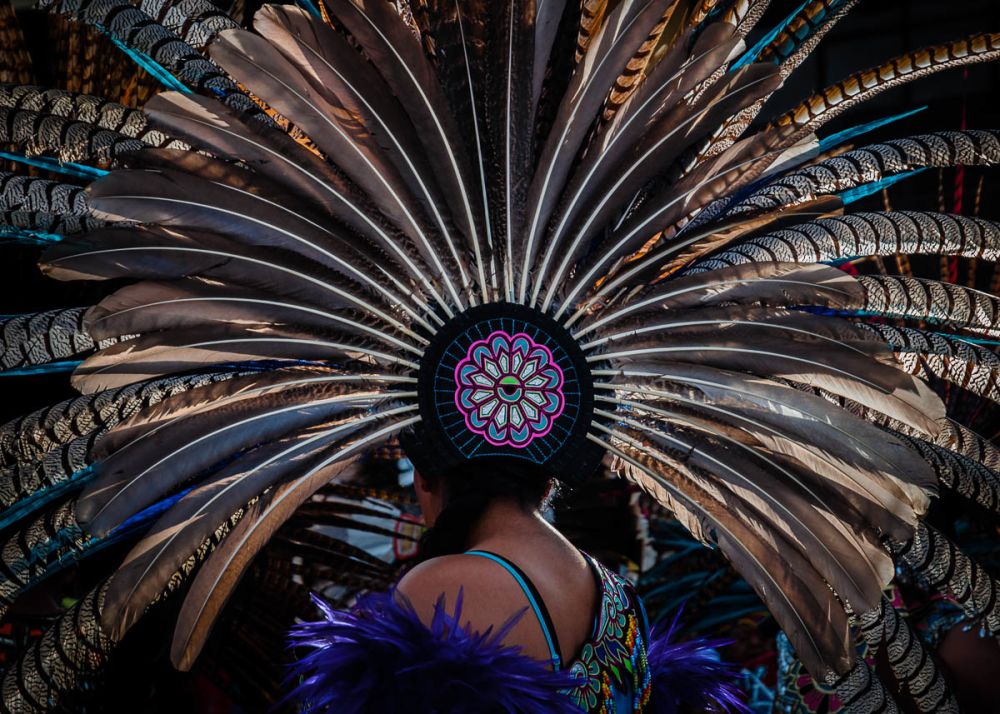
[470, 489]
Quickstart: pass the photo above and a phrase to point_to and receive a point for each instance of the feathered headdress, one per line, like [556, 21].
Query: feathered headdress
[536, 229]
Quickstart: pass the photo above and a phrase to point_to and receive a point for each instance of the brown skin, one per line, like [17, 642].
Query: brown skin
[491, 596]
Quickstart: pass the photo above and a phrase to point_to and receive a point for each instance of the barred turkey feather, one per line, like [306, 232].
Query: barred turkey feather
[70, 140]
[25, 193]
[956, 306]
[43, 337]
[101, 113]
[45, 225]
[134, 28]
[856, 235]
[939, 564]
[911, 663]
[29, 551]
[63, 661]
[196, 22]
[873, 163]
[930, 354]
[964, 441]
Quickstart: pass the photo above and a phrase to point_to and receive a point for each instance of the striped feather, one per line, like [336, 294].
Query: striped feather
[933, 301]
[406, 69]
[32, 546]
[860, 689]
[43, 337]
[29, 438]
[52, 225]
[195, 22]
[865, 234]
[591, 18]
[941, 566]
[932, 355]
[911, 663]
[216, 580]
[861, 86]
[136, 30]
[24, 193]
[102, 113]
[620, 38]
[790, 587]
[69, 655]
[872, 163]
[133, 478]
[635, 70]
[961, 474]
[69, 140]
[745, 14]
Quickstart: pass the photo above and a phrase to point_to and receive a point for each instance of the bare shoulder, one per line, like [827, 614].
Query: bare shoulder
[487, 595]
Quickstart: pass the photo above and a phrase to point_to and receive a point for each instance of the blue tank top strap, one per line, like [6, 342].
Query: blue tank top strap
[534, 599]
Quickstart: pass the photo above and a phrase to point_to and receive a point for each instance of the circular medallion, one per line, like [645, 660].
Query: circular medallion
[505, 380]
[509, 388]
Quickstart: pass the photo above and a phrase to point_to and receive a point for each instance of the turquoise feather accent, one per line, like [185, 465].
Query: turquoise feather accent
[66, 366]
[67, 168]
[25, 236]
[859, 192]
[310, 7]
[42, 497]
[847, 134]
[155, 69]
[750, 55]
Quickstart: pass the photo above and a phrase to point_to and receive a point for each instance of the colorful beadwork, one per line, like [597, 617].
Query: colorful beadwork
[612, 670]
[509, 389]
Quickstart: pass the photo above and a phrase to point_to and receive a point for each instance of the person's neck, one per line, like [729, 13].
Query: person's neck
[502, 518]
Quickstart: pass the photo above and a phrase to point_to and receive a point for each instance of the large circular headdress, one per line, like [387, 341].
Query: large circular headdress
[504, 380]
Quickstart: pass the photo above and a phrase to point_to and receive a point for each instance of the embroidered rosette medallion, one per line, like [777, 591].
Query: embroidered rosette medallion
[509, 388]
[505, 380]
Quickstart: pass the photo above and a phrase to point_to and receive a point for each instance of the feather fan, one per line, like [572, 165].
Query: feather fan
[339, 212]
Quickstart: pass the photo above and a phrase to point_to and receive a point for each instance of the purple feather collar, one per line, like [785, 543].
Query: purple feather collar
[379, 657]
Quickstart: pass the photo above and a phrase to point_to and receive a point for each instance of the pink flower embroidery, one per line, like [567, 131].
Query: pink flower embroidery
[509, 389]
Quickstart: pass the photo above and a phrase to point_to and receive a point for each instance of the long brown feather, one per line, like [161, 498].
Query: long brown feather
[222, 571]
[799, 598]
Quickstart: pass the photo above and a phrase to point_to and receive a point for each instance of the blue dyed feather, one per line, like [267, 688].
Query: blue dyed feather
[44, 496]
[840, 137]
[154, 68]
[310, 7]
[27, 237]
[971, 340]
[859, 192]
[75, 546]
[750, 55]
[66, 168]
[66, 366]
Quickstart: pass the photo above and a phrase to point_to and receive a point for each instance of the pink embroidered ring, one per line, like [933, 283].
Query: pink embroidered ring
[509, 389]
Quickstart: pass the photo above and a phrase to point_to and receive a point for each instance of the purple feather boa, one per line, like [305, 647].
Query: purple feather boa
[379, 657]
